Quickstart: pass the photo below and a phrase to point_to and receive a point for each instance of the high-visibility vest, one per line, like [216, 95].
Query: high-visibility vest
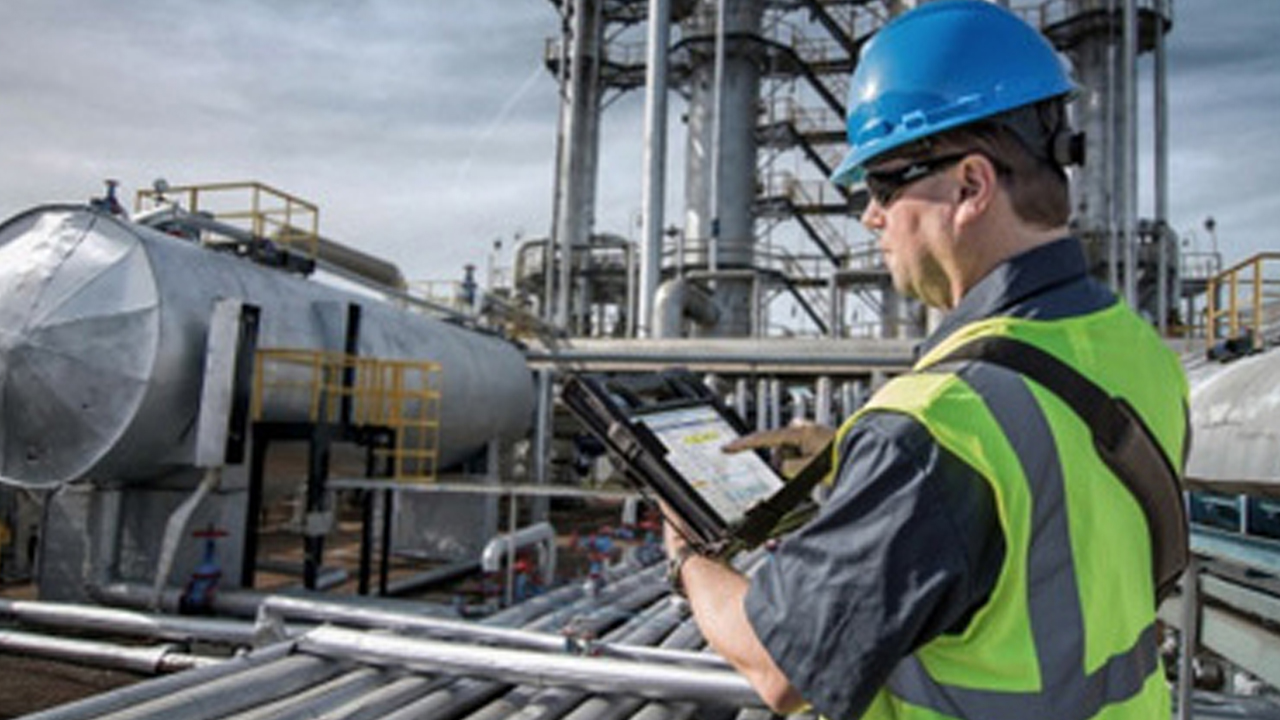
[1068, 631]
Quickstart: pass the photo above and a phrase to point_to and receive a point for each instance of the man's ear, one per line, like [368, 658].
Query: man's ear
[978, 186]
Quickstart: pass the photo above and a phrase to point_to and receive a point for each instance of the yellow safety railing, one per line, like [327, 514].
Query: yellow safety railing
[403, 396]
[1239, 298]
[260, 209]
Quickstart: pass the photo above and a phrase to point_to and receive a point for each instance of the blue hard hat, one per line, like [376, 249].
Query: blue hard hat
[940, 66]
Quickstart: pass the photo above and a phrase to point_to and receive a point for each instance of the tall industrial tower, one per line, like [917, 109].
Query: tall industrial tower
[762, 232]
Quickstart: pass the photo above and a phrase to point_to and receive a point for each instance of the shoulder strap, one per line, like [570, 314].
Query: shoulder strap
[786, 508]
[1120, 437]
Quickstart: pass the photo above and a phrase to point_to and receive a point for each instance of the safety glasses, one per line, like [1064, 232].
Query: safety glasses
[884, 185]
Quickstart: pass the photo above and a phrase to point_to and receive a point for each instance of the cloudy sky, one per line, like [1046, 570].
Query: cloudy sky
[425, 129]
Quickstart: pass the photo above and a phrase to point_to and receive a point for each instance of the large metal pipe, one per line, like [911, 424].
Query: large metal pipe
[658, 682]
[1166, 243]
[819, 356]
[682, 639]
[551, 612]
[141, 693]
[647, 626]
[314, 701]
[674, 299]
[224, 696]
[126, 622]
[1129, 68]
[278, 610]
[148, 660]
[378, 703]
[102, 331]
[541, 536]
[653, 197]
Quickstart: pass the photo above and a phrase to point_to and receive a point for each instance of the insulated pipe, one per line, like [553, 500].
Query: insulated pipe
[245, 603]
[653, 198]
[277, 609]
[106, 703]
[599, 610]
[225, 696]
[450, 700]
[822, 414]
[550, 612]
[674, 299]
[567, 598]
[540, 535]
[683, 638]
[334, 255]
[175, 532]
[330, 255]
[1190, 632]
[164, 627]
[147, 660]
[645, 627]
[281, 608]
[314, 701]
[846, 357]
[1165, 241]
[1130, 156]
[383, 700]
[657, 682]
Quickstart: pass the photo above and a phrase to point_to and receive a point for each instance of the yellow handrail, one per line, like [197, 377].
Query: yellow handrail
[265, 211]
[1248, 291]
[403, 396]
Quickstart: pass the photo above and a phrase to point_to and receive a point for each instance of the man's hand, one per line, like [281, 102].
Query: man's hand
[794, 446]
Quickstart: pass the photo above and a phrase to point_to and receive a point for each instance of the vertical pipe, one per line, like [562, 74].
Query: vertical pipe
[542, 441]
[740, 397]
[384, 545]
[1190, 636]
[835, 314]
[717, 136]
[1130, 159]
[630, 303]
[775, 403]
[549, 248]
[822, 401]
[655, 155]
[762, 404]
[366, 533]
[1162, 234]
[1111, 140]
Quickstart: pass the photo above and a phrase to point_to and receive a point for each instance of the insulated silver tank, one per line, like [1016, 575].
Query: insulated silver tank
[103, 327]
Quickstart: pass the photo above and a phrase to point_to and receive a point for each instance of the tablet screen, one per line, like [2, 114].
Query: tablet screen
[730, 483]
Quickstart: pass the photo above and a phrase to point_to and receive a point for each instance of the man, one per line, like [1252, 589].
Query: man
[976, 558]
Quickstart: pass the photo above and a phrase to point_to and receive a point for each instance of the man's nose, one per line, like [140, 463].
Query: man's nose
[872, 217]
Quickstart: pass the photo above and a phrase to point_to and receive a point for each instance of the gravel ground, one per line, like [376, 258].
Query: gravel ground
[29, 685]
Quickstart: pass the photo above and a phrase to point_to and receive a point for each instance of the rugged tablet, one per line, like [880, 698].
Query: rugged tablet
[667, 430]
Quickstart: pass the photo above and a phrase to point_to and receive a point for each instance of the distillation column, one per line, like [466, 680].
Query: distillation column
[1097, 114]
[578, 149]
[1105, 189]
[720, 169]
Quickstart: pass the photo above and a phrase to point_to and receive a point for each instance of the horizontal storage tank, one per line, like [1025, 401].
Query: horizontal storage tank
[103, 326]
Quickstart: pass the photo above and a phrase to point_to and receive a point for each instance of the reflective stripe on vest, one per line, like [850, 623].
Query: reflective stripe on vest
[1055, 616]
